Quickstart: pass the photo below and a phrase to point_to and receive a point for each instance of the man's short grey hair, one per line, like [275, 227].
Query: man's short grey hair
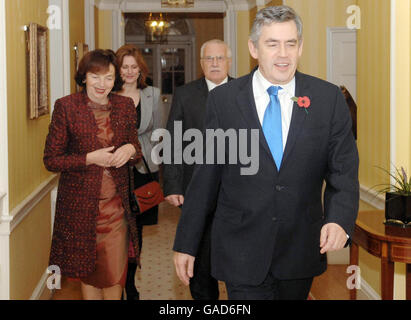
[275, 14]
[218, 41]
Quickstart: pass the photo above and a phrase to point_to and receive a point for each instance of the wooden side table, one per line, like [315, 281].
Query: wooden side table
[390, 243]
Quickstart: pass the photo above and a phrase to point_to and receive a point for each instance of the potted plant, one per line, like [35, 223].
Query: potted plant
[397, 198]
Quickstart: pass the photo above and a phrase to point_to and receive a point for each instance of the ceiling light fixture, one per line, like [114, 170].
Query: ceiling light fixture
[156, 29]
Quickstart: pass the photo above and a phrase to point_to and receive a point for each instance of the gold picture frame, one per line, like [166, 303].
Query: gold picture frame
[37, 45]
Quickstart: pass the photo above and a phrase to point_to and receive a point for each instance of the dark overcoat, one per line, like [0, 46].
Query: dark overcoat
[73, 134]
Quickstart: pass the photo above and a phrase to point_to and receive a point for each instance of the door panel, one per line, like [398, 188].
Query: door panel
[170, 66]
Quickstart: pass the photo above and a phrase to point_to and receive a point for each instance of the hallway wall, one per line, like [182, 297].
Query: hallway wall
[29, 182]
[26, 142]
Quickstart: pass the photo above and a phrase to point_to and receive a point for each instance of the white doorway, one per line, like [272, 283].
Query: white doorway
[342, 70]
[342, 58]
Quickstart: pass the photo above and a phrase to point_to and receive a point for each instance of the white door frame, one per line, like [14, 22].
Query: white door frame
[330, 32]
[89, 24]
[59, 49]
[228, 6]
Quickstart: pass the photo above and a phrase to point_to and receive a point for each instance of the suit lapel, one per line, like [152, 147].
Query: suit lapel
[203, 89]
[298, 116]
[246, 104]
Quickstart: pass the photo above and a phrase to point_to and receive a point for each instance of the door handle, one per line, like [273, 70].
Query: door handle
[165, 99]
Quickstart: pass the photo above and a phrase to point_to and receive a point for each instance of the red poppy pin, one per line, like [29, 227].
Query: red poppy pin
[303, 102]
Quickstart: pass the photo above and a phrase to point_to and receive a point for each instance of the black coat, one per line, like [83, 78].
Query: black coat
[274, 216]
[188, 106]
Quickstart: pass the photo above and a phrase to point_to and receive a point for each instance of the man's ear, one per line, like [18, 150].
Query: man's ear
[300, 49]
[253, 50]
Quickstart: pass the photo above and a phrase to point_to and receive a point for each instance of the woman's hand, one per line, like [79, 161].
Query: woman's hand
[100, 157]
[122, 155]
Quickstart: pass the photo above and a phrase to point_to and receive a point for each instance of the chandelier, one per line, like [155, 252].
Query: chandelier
[177, 3]
[156, 28]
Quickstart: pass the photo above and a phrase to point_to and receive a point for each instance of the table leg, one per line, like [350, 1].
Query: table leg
[387, 279]
[353, 262]
[408, 283]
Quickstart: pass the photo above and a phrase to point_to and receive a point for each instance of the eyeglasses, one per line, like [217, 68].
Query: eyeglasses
[210, 59]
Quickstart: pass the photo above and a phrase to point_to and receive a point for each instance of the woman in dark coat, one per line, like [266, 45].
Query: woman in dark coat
[92, 139]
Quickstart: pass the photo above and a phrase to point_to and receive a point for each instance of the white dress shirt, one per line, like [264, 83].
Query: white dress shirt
[211, 85]
[262, 98]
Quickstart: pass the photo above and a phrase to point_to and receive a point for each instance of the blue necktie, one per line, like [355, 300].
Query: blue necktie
[272, 126]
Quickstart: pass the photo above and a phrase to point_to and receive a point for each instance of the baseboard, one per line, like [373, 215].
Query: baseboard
[367, 292]
[372, 198]
[41, 292]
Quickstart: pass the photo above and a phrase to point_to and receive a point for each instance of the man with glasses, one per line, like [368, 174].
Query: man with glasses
[188, 107]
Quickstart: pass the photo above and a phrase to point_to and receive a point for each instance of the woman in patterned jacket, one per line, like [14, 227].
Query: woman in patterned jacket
[92, 139]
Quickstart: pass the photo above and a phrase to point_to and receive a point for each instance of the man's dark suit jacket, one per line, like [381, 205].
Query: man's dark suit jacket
[274, 217]
[188, 106]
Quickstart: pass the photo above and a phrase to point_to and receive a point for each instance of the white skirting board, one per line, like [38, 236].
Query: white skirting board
[367, 292]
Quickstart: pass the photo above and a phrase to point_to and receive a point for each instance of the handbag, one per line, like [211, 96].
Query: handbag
[146, 196]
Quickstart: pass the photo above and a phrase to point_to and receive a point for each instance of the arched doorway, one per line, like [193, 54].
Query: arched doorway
[172, 63]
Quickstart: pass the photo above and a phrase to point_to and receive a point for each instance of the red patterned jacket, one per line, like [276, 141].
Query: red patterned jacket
[72, 134]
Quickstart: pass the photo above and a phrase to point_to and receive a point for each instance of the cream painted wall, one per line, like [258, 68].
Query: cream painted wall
[402, 84]
[402, 123]
[373, 85]
[29, 251]
[30, 239]
[104, 31]
[243, 31]
[26, 137]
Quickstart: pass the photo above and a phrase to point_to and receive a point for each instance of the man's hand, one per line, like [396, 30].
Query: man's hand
[333, 238]
[175, 199]
[184, 264]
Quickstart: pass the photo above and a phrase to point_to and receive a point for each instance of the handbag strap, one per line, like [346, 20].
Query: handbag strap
[147, 167]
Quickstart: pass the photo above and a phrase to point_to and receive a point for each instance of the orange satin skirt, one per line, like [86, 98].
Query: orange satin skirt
[112, 239]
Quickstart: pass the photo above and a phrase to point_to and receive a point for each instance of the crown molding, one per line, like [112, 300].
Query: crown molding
[199, 6]
[155, 6]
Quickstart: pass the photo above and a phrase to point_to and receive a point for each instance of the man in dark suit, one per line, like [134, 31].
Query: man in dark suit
[188, 108]
[270, 230]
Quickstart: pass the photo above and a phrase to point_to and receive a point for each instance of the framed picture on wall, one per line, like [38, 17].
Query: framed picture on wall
[37, 40]
[80, 49]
